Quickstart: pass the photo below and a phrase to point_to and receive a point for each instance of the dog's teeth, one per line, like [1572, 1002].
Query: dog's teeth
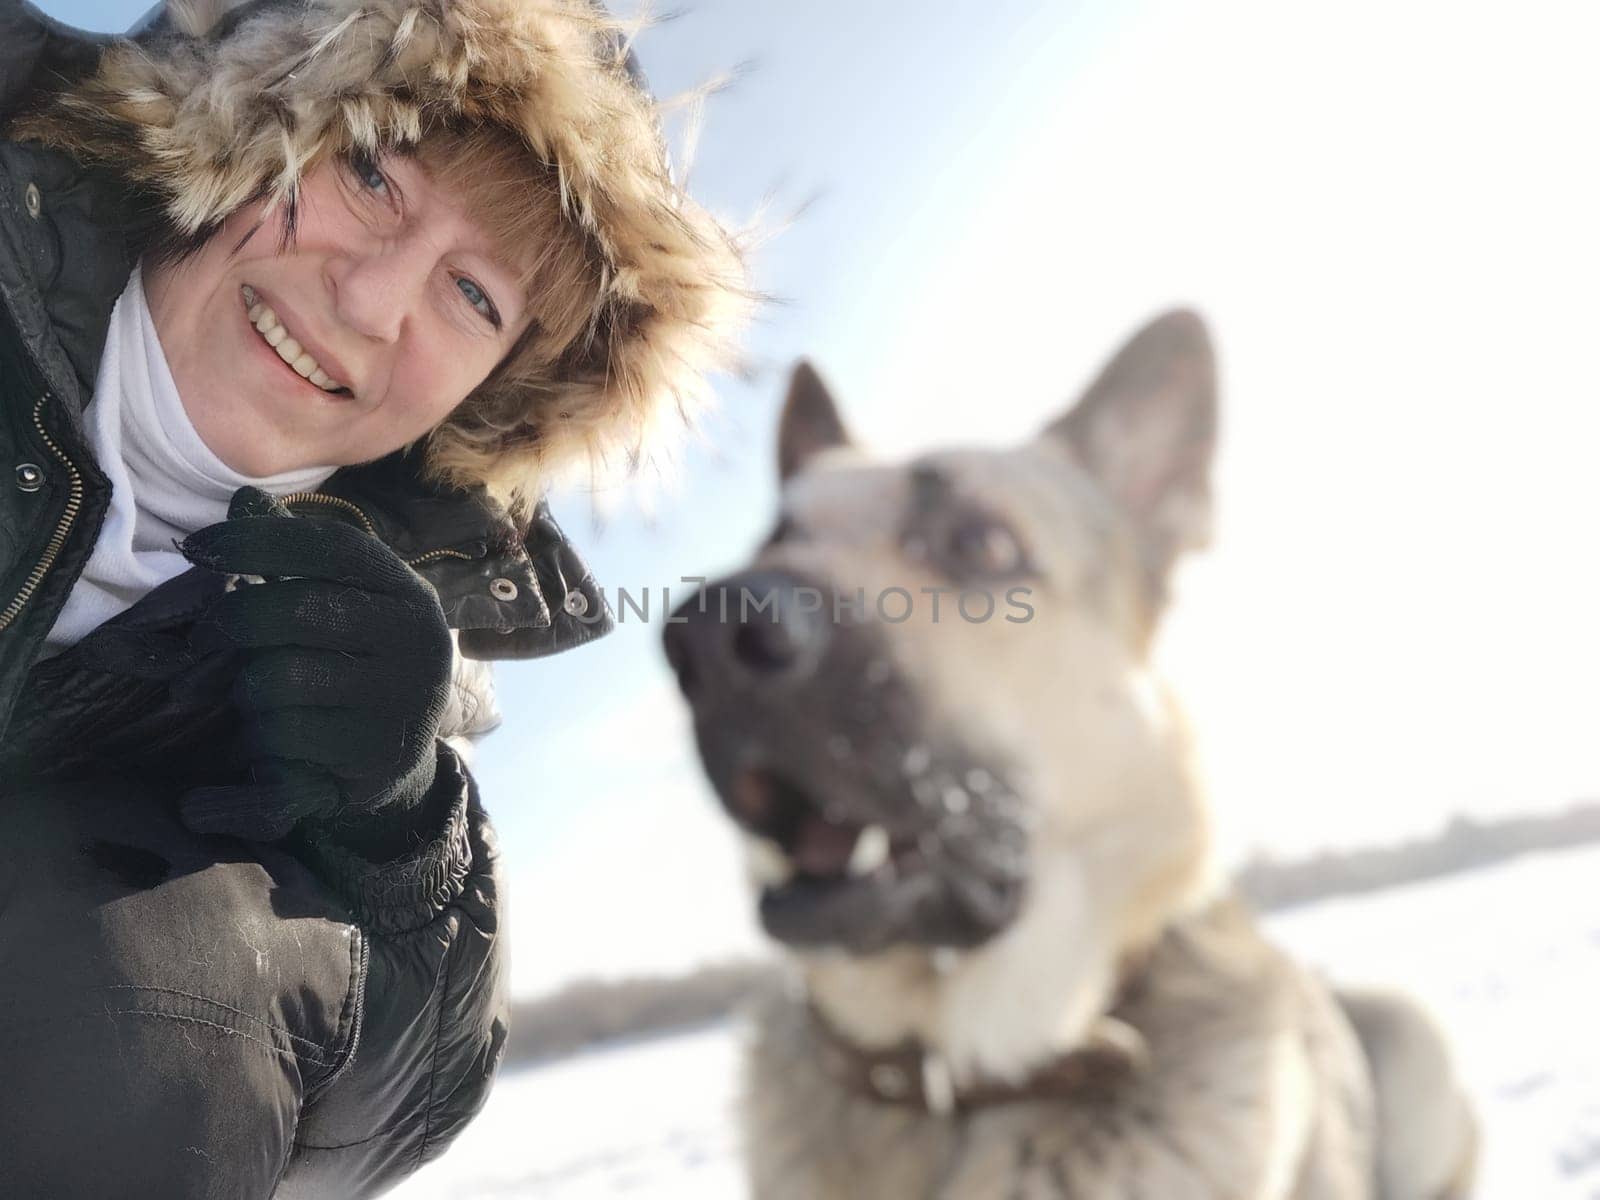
[769, 865]
[1147, 695]
[938, 1088]
[871, 851]
[1116, 1035]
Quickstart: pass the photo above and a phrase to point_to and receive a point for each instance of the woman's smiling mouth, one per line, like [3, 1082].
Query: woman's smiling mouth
[272, 331]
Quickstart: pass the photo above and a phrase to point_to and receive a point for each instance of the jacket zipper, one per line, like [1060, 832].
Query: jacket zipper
[366, 523]
[63, 527]
[429, 557]
[336, 501]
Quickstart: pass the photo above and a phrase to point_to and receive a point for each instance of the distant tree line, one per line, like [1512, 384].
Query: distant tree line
[592, 1011]
[1462, 844]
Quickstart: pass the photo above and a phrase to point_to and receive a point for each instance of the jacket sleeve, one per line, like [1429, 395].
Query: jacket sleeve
[433, 1024]
[166, 1099]
[169, 1004]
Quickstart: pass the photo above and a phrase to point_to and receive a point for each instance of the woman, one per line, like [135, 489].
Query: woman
[304, 305]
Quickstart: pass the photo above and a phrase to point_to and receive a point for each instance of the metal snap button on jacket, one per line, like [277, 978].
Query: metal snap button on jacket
[503, 589]
[576, 603]
[30, 197]
[30, 477]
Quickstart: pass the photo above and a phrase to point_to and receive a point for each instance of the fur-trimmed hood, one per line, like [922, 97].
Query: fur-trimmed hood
[221, 102]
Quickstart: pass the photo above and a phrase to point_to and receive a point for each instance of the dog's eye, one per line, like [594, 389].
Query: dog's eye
[978, 546]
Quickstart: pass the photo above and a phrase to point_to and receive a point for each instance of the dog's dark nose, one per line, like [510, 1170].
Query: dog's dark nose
[750, 628]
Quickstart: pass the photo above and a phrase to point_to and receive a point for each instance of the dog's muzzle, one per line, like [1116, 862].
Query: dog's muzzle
[876, 830]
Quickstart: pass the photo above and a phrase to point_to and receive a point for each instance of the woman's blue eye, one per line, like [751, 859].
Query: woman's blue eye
[479, 300]
[367, 172]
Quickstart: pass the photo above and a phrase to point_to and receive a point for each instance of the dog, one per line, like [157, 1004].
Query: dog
[977, 833]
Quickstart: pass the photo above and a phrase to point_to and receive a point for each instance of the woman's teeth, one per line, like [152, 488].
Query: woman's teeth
[275, 335]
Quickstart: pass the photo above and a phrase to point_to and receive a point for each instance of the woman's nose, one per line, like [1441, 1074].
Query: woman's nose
[376, 291]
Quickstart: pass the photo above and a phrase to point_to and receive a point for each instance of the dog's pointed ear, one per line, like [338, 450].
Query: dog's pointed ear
[1147, 430]
[810, 421]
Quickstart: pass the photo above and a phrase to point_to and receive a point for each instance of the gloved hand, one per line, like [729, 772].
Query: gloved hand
[344, 671]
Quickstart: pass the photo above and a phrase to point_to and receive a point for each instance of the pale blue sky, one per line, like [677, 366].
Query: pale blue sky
[1387, 214]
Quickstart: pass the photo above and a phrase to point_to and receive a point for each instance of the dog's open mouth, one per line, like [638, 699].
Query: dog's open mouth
[827, 877]
[818, 847]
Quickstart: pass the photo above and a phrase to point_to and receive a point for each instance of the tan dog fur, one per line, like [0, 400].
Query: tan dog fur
[1244, 1076]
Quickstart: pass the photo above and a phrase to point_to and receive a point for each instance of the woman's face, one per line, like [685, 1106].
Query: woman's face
[391, 299]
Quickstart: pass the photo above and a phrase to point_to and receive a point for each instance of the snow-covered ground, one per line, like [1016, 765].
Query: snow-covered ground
[643, 1120]
[1508, 957]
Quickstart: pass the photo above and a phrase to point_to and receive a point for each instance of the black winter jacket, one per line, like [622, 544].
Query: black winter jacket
[183, 1016]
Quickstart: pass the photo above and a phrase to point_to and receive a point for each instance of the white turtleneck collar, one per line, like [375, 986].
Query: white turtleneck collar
[165, 482]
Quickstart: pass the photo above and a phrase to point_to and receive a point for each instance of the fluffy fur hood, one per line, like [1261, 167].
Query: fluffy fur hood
[223, 102]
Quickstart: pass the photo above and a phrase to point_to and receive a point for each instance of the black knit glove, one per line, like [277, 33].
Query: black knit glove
[344, 672]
